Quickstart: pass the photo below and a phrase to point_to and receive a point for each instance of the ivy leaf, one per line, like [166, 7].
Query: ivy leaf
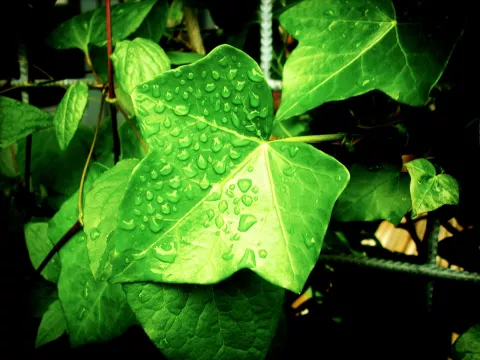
[380, 193]
[467, 346]
[101, 209]
[235, 319]
[52, 326]
[294, 126]
[130, 146]
[90, 27]
[429, 191]
[212, 188]
[349, 48]
[154, 24]
[95, 311]
[17, 120]
[175, 13]
[69, 113]
[181, 57]
[39, 245]
[138, 61]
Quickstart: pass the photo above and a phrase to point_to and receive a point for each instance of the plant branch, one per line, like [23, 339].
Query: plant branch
[72, 231]
[312, 139]
[134, 129]
[193, 30]
[111, 88]
[85, 168]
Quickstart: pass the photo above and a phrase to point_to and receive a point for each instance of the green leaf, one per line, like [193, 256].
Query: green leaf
[374, 193]
[52, 326]
[429, 191]
[212, 188]
[138, 61]
[69, 113]
[295, 126]
[130, 146]
[235, 319]
[99, 58]
[467, 346]
[95, 311]
[154, 24]
[90, 27]
[101, 209]
[349, 48]
[7, 161]
[17, 120]
[39, 245]
[181, 58]
[175, 13]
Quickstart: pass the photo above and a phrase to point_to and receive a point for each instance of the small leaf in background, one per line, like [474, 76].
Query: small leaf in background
[52, 326]
[90, 27]
[8, 167]
[380, 193]
[39, 245]
[349, 48]
[182, 58]
[235, 319]
[175, 13]
[467, 346]
[17, 120]
[212, 188]
[69, 113]
[138, 61]
[130, 146]
[154, 24]
[95, 311]
[101, 209]
[428, 190]
[99, 57]
[294, 126]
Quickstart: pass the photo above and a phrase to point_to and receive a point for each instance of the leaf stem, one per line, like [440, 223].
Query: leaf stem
[311, 139]
[193, 30]
[90, 65]
[111, 88]
[85, 168]
[134, 129]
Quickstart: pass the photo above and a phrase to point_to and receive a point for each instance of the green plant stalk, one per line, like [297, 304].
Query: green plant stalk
[312, 139]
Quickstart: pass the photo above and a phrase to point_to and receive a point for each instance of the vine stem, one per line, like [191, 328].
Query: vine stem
[311, 139]
[85, 168]
[193, 30]
[90, 65]
[111, 89]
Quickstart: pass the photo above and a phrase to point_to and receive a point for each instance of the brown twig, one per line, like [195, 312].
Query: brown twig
[193, 30]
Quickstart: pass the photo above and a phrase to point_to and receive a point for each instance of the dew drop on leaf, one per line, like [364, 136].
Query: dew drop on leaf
[235, 237]
[244, 185]
[148, 195]
[165, 209]
[308, 240]
[220, 167]
[239, 85]
[175, 131]
[289, 171]
[202, 162]
[236, 210]
[255, 189]
[246, 222]
[166, 255]
[159, 199]
[168, 96]
[145, 88]
[209, 87]
[254, 99]
[247, 200]
[231, 186]
[138, 200]
[145, 218]
[248, 259]
[228, 255]
[166, 169]
[232, 73]
[225, 92]
[223, 206]
[250, 168]
[255, 75]
[204, 183]
[190, 76]
[81, 313]
[293, 151]
[159, 108]
[262, 253]
[150, 209]
[94, 234]
[137, 212]
[175, 182]
[328, 12]
[167, 123]
[183, 155]
[215, 75]
[210, 214]
[182, 109]
[154, 225]
[223, 62]
[219, 221]
[173, 196]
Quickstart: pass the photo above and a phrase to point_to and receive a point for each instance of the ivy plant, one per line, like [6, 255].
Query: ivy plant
[219, 204]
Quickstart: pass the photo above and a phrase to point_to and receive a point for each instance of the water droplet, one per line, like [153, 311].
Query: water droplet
[175, 182]
[237, 100]
[150, 209]
[234, 154]
[156, 90]
[137, 212]
[167, 123]
[181, 109]
[215, 75]
[177, 73]
[329, 12]
[138, 200]
[293, 151]
[145, 88]
[247, 200]
[190, 76]
[289, 171]
[202, 162]
[223, 62]
[166, 169]
[230, 194]
[145, 218]
[231, 186]
[219, 222]
[363, 82]
[228, 255]
[159, 199]
[225, 92]
[264, 112]
[166, 255]
[203, 137]
[248, 260]
[217, 144]
[183, 155]
[204, 183]
[250, 168]
[127, 225]
[223, 206]
[175, 131]
[142, 111]
[185, 141]
[254, 99]
[236, 210]
[255, 75]
[262, 253]
[232, 73]
[168, 96]
[226, 107]
[308, 240]
[159, 108]
[86, 291]
[244, 185]
[81, 313]
[148, 195]
[239, 85]
[165, 209]
[246, 222]
[154, 225]
[209, 87]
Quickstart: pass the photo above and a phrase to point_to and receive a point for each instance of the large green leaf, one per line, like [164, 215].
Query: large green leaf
[90, 27]
[467, 346]
[95, 311]
[17, 120]
[130, 146]
[155, 22]
[138, 61]
[347, 48]
[52, 326]
[101, 209]
[39, 246]
[235, 319]
[429, 191]
[182, 57]
[374, 193]
[213, 196]
[294, 126]
[69, 113]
